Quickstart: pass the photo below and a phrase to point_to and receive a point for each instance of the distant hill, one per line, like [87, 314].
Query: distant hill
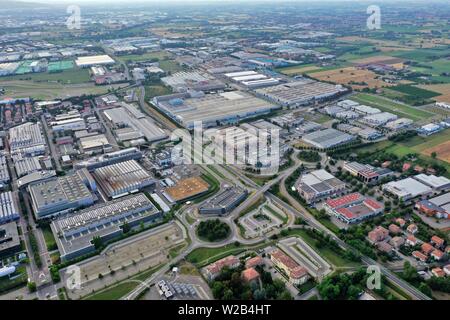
[12, 4]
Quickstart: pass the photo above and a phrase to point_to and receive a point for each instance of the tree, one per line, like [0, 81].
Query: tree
[434, 155]
[97, 242]
[424, 288]
[32, 286]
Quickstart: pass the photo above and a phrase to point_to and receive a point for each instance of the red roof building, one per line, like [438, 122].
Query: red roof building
[419, 256]
[437, 241]
[253, 262]
[394, 229]
[378, 234]
[250, 275]
[427, 248]
[438, 272]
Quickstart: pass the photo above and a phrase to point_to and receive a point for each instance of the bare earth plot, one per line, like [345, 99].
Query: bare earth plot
[128, 257]
[355, 77]
[442, 151]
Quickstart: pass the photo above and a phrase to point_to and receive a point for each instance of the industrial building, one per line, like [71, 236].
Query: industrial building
[327, 138]
[183, 81]
[406, 189]
[71, 124]
[27, 139]
[438, 207]
[95, 144]
[26, 165]
[131, 124]
[251, 79]
[353, 208]
[186, 189]
[398, 124]
[122, 178]
[9, 210]
[365, 172]
[379, 119]
[109, 158]
[9, 239]
[436, 183]
[89, 61]
[74, 232]
[224, 202]
[212, 109]
[4, 172]
[58, 195]
[319, 184]
[301, 92]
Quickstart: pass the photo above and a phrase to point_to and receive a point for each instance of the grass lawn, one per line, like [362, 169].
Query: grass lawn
[204, 256]
[331, 256]
[175, 251]
[156, 90]
[20, 279]
[50, 241]
[387, 105]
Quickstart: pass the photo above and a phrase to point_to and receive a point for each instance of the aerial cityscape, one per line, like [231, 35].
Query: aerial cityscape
[210, 150]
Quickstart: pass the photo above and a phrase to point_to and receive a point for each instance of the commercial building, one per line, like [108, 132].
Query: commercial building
[59, 195]
[9, 210]
[319, 184]
[212, 109]
[353, 208]
[89, 61]
[214, 269]
[122, 178]
[27, 139]
[297, 274]
[74, 233]
[224, 202]
[186, 189]
[406, 189]
[130, 124]
[9, 239]
[109, 158]
[366, 172]
[301, 92]
[327, 138]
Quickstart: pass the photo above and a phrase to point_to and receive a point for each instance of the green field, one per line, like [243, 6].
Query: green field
[152, 91]
[60, 65]
[387, 105]
[50, 241]
[71, 76]
[331, 256]
[414, 91]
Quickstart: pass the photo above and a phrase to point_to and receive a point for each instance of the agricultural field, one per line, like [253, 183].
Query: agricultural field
[354, 77]
[396, 63]
[298, 70]
[443, 91]
[410, 94]
[400, 109]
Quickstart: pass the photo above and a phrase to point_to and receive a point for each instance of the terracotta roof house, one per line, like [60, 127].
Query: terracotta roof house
[419, 255]
[250, 275]
[253, 262]
[378, 234]
[438, 272]
[411, 240]
[412, 228]
[394, 229]
[427, 248]
[437, 241]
